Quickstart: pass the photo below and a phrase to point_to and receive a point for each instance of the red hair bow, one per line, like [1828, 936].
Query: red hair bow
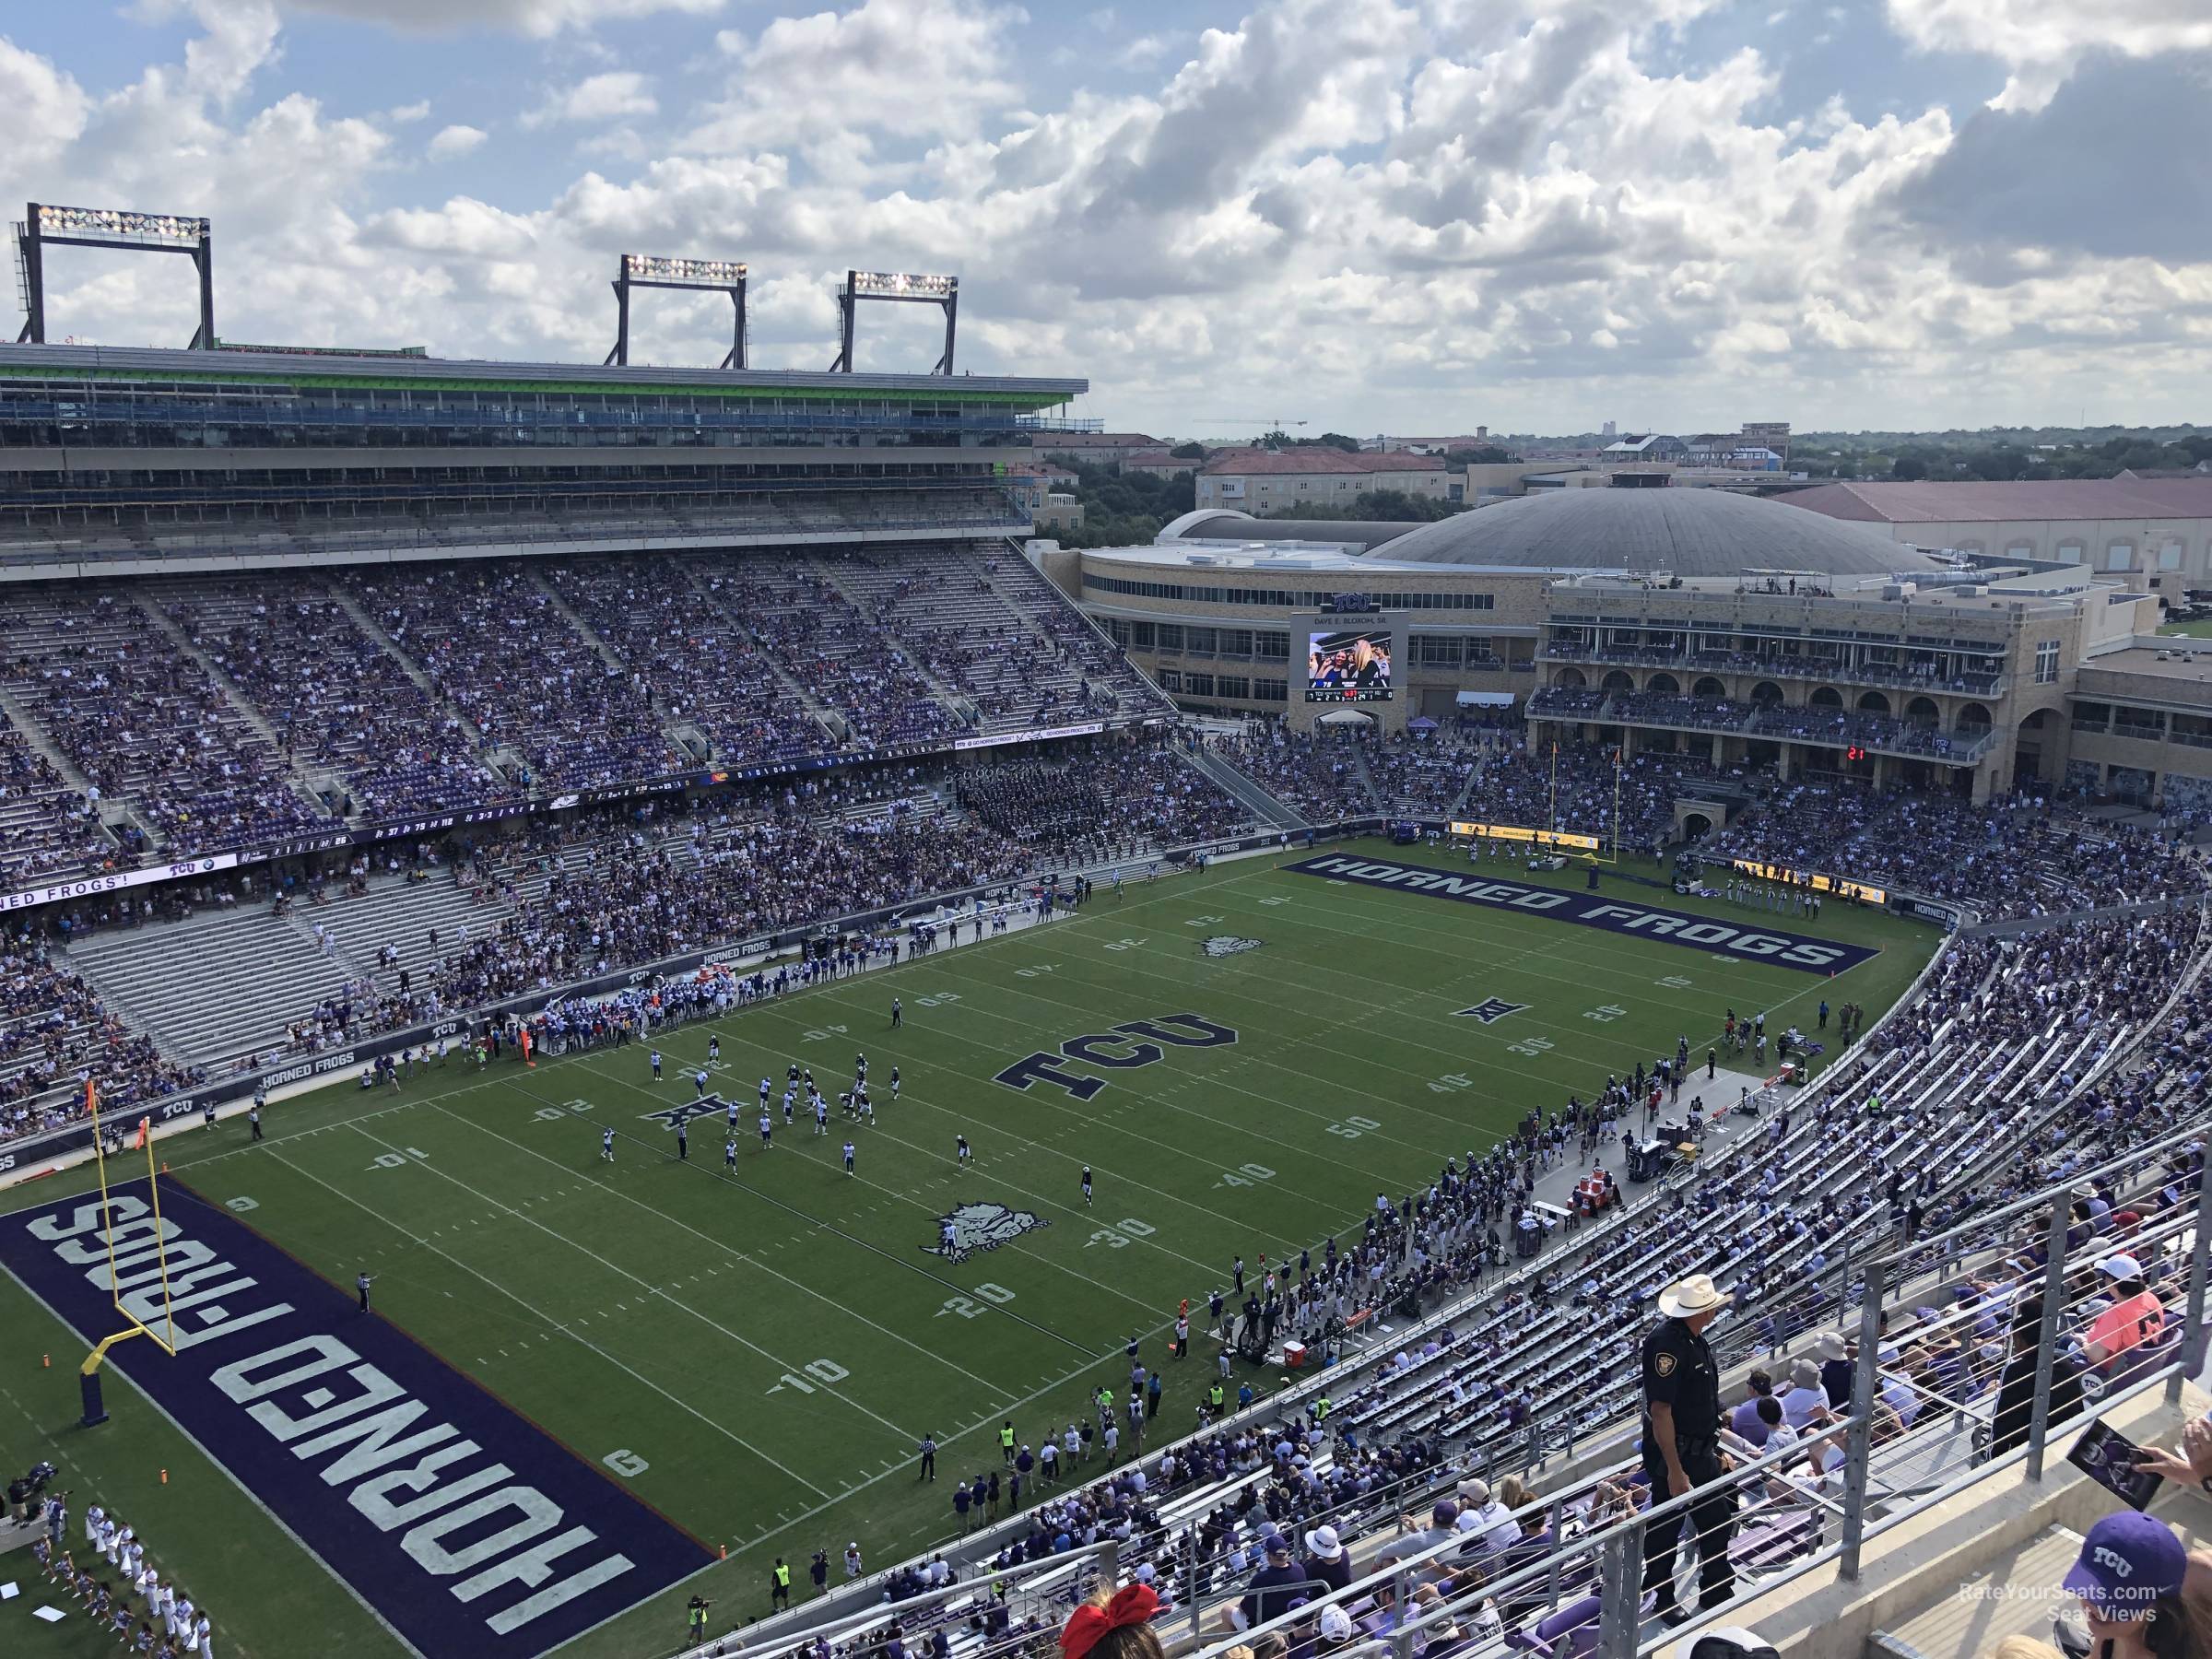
[1132, 1606]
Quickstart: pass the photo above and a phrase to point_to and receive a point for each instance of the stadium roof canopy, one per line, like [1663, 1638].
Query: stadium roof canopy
[1689, 532]
[151, 364]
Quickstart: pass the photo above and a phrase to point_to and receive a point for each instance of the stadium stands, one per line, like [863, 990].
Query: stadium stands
[2000, 860]
[55, 1031]
[46, 825]
[424, 930]
[205, 714]
[145, 722]
[2017, 1062]
[536, 688]
[342, 705]
[1321, 775]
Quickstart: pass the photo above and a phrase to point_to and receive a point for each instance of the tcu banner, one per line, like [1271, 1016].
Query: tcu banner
[1676, 927]
[471, 1531]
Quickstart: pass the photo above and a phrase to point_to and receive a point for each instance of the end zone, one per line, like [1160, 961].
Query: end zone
[468, 1529]
[1799, 951]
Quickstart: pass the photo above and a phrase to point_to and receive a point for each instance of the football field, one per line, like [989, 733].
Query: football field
[743, 1359]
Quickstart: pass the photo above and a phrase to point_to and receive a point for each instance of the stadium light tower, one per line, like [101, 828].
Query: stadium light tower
[652, 271]
[896, 286]
[44, 223]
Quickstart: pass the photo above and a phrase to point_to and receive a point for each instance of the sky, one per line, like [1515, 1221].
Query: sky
[1407, 215]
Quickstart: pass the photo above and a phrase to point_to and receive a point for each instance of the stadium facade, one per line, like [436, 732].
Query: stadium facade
[193, 542]
[146, 460]
[1729, 627]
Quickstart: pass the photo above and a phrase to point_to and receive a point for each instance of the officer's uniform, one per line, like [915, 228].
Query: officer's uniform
[1680, 1371]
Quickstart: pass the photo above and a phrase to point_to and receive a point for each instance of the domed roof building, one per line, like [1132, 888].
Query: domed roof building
[1687, 533]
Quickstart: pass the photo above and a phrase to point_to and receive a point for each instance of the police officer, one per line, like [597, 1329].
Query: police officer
[1682, 1445]
[778, 1585]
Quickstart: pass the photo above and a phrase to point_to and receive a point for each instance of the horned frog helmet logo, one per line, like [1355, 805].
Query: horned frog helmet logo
[1228, 945]
[974, 1226]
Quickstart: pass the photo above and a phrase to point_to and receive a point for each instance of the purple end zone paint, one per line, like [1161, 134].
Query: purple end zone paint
[469, 1529]
[1770, 945]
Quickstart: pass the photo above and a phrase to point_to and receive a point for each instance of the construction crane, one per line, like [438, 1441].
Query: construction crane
[1275, 423]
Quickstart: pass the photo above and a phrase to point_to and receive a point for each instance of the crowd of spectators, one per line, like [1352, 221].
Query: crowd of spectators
[1319, 774]
[146, 723]
[56, 1033]
[502, 653]
[46, 827]
[2010, 858]
[397, 690]
[683, 626]
[339, 703]
[1106, 800]
[1575, 789]
[1422, 775]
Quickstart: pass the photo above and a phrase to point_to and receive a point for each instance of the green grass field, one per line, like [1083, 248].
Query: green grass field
[2193, 630]
[771, 1345]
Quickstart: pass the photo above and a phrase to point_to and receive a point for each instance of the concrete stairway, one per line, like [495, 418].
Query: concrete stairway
[1270, 812]
[1987, 1607]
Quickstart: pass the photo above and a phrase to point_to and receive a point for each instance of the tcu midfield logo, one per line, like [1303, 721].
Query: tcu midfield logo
[1133, 1044]
[1228, 945]
[975, 1226]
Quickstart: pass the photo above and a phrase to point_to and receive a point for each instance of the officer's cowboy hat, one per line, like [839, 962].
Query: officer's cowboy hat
[1688, 1298]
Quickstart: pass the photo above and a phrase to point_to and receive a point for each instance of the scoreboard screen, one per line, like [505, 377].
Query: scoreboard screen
[1349, 665]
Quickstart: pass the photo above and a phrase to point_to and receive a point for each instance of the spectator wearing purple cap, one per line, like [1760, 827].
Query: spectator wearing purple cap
[2128, 1579]
[1273, 1587]
[1414, 1538]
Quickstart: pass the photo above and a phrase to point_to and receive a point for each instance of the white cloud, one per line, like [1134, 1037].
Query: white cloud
[1144, 52]
[911, 67]
[404, 113]
[534, 17]
[456, 140]
[46, 108]
[1360, 208]
[241, 38]
[2042, 40]
[597, 98]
